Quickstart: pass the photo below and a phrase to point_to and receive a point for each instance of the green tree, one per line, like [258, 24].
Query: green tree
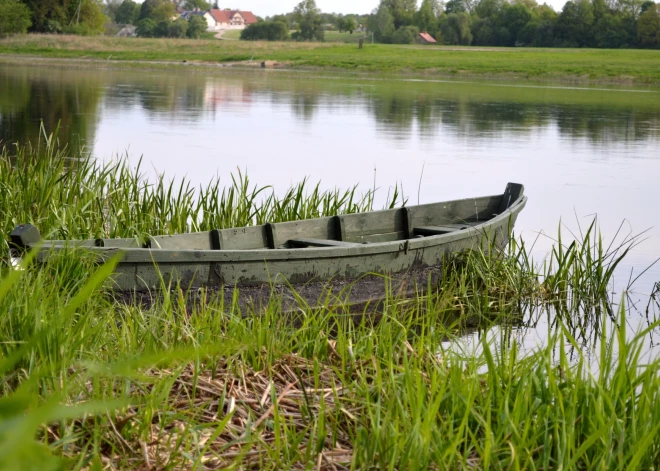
[163, 12]
[86, 18]
[600, 9]
[648, 27]
[574, 25]
[513, 17]
[426, 18]
[546, 13]
[162, 29]
[455, 6]
[111, 8]
[47, 15]
[630, 8]
[405, 35]
[146, 28]
[178, 28]
[646, 5]
[192, 4]
[308, 17]
[157, 10]
[483, 32]
[196, 27]
[527, 34]
[128, 12]
[286, 19]
[403, 12]
[611, 32]
[55, 16]
[545, 34]
[350, 24]
[266, 31]
[14, 18]
[487, 8]
[381, 23]
[458, 29]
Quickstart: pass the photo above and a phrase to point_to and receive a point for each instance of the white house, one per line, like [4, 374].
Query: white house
[219, 20]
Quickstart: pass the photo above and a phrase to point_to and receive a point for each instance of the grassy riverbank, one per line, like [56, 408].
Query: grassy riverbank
[582, 65]
[96, 384]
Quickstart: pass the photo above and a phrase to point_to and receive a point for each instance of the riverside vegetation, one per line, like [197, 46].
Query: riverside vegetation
[584, 65]
[91, 383]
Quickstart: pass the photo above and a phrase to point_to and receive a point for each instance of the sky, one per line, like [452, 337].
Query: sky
[265, 8]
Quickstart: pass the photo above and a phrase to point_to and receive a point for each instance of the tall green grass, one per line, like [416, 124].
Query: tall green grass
[74, 198]
[88, 382]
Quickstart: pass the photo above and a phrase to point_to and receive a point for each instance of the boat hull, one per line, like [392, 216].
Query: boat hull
[387, 242]
[137, 270]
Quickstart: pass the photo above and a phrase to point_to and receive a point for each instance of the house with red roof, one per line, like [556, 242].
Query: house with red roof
[426, 38]
[219, 20]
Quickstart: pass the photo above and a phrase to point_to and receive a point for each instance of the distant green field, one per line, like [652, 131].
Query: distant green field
[330, 36]
[581, 65]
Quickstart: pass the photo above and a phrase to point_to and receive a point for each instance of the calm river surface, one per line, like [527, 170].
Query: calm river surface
[579, 151]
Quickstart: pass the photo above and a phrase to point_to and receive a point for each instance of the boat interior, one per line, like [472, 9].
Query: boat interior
[335, 231]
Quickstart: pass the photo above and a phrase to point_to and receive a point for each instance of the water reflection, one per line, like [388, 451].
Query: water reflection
[166, 98]
[400, 110]
[29, 97]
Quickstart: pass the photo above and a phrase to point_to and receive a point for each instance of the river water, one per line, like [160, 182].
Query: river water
[580, 151]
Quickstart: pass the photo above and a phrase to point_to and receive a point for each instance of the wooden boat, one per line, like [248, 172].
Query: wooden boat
[343, 247]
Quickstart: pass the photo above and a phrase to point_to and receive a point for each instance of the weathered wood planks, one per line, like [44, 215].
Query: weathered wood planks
[344, 246]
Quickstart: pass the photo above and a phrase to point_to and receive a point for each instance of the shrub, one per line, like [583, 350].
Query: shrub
[14, 18]
[53, 27]
[196, 27]
[405, 35]
[162, 29]
[527, 34]
[266, 31]
[128, 12]
[146, 28]
[648, 27]
[178, 28]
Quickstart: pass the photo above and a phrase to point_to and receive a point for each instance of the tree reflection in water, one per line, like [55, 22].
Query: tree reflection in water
[76, 99]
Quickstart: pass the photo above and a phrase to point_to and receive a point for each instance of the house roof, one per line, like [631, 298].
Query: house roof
[249, 17]
[221, 16]
[225, 16]
[427, 37]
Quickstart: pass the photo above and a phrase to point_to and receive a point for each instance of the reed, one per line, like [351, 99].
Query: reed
[83, 198]
[88, 382]
[92, 383]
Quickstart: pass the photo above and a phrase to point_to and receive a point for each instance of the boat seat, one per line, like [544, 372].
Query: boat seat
[301, 243]
[437, 230]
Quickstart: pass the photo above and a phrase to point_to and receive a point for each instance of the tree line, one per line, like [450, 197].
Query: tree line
[158, 18]
[580, 23]
[307, 21]
[153, 18]
[85, 17]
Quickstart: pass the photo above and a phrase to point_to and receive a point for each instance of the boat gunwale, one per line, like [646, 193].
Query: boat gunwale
[157, 255]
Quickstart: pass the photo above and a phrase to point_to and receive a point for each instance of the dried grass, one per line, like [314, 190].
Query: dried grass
[200, 400]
